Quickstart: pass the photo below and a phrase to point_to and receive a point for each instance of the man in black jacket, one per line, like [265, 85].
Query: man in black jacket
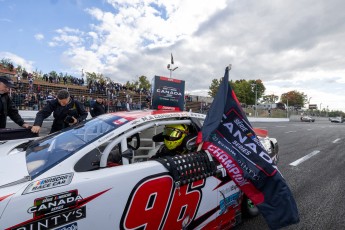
[7, 107]
[66, 112]
[97, 108]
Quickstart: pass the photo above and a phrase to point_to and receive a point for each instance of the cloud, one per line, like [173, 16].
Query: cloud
[39, 37]
[289, 45]
[67, 36]
[5, 20]
[123, 42]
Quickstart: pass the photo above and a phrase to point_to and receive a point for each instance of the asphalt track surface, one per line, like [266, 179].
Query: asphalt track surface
[312, 160]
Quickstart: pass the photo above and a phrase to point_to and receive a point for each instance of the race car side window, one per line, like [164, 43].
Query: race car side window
[91, 160]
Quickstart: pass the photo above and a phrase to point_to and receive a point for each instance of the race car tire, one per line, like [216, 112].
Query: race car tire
[277, 159]
[248, 208]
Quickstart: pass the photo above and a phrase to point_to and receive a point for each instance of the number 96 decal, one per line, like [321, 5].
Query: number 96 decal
[155, 203]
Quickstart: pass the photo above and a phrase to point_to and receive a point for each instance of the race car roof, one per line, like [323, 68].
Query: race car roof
[140, 116]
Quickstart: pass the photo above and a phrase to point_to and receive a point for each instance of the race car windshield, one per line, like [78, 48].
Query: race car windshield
[47, 152]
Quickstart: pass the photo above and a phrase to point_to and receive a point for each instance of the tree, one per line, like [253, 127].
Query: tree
[19, 69]
[94, 77]
[336, 113]
[131, 85]
[53, 74]
[6, 62]
[270, 98]
[246, 91]
[37, 74]
[144, 83]
[25, 74]
[294, 98]
[214, 87]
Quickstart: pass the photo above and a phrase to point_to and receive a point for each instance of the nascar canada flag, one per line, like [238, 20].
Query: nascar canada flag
[229, 137]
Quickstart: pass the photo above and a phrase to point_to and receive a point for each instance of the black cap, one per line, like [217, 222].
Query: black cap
[7, 81]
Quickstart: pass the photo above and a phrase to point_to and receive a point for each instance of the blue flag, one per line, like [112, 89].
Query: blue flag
[229, 137]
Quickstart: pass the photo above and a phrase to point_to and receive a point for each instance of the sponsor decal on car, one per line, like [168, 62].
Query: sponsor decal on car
[53, 221]
[55, 203]
[120, 121]
[72, 208]
[227, 202]
[49, 183]
[160, 116]
[229, 189]
[72, 226]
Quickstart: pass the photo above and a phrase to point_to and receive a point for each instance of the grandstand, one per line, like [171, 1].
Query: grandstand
[28, 93]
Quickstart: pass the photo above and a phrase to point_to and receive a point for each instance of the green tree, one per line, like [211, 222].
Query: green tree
[6, 62]
[131, 85]
[294, 98]
[270, 98]
[336, 113]
[37, 74]
[94, 77]
[246, 91]
[19, 69]
[144, 83]
[25, 74]
[214, 87]
[53, 74]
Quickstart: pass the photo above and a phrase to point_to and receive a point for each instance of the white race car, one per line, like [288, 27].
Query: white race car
[100, 175]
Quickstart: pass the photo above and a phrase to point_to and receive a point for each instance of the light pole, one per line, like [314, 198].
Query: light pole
[309, 104]
[140, 98]
[320, 109]
[256, 97]
[171, 69]
[108, 97]
[287, 108]
[170, 66]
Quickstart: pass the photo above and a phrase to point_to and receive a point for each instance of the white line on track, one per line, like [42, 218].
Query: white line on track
[290, 131]
[336, 140]
[297, 162]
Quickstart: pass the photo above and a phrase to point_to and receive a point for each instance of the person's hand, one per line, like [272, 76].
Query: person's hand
[75, 121]
[26, 125]
[35, 129]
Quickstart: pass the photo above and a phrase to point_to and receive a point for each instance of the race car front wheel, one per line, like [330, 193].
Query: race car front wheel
[248, 208]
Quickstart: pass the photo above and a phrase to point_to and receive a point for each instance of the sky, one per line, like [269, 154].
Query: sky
[289, 45]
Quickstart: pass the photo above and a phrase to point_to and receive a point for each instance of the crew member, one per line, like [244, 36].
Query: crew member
[66, 112]
[97, 108]
[7, 107]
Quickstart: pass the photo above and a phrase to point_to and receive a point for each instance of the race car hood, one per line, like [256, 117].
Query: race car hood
[13, 169]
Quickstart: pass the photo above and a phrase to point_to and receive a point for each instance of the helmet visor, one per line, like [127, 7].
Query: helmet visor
[172, 134]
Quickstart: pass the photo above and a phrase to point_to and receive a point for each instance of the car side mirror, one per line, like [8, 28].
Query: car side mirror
[127, 156]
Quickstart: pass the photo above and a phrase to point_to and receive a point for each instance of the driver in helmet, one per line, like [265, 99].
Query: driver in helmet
[173, 138]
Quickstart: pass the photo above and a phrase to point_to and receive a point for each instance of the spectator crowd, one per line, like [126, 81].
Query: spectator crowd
[117, 97]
